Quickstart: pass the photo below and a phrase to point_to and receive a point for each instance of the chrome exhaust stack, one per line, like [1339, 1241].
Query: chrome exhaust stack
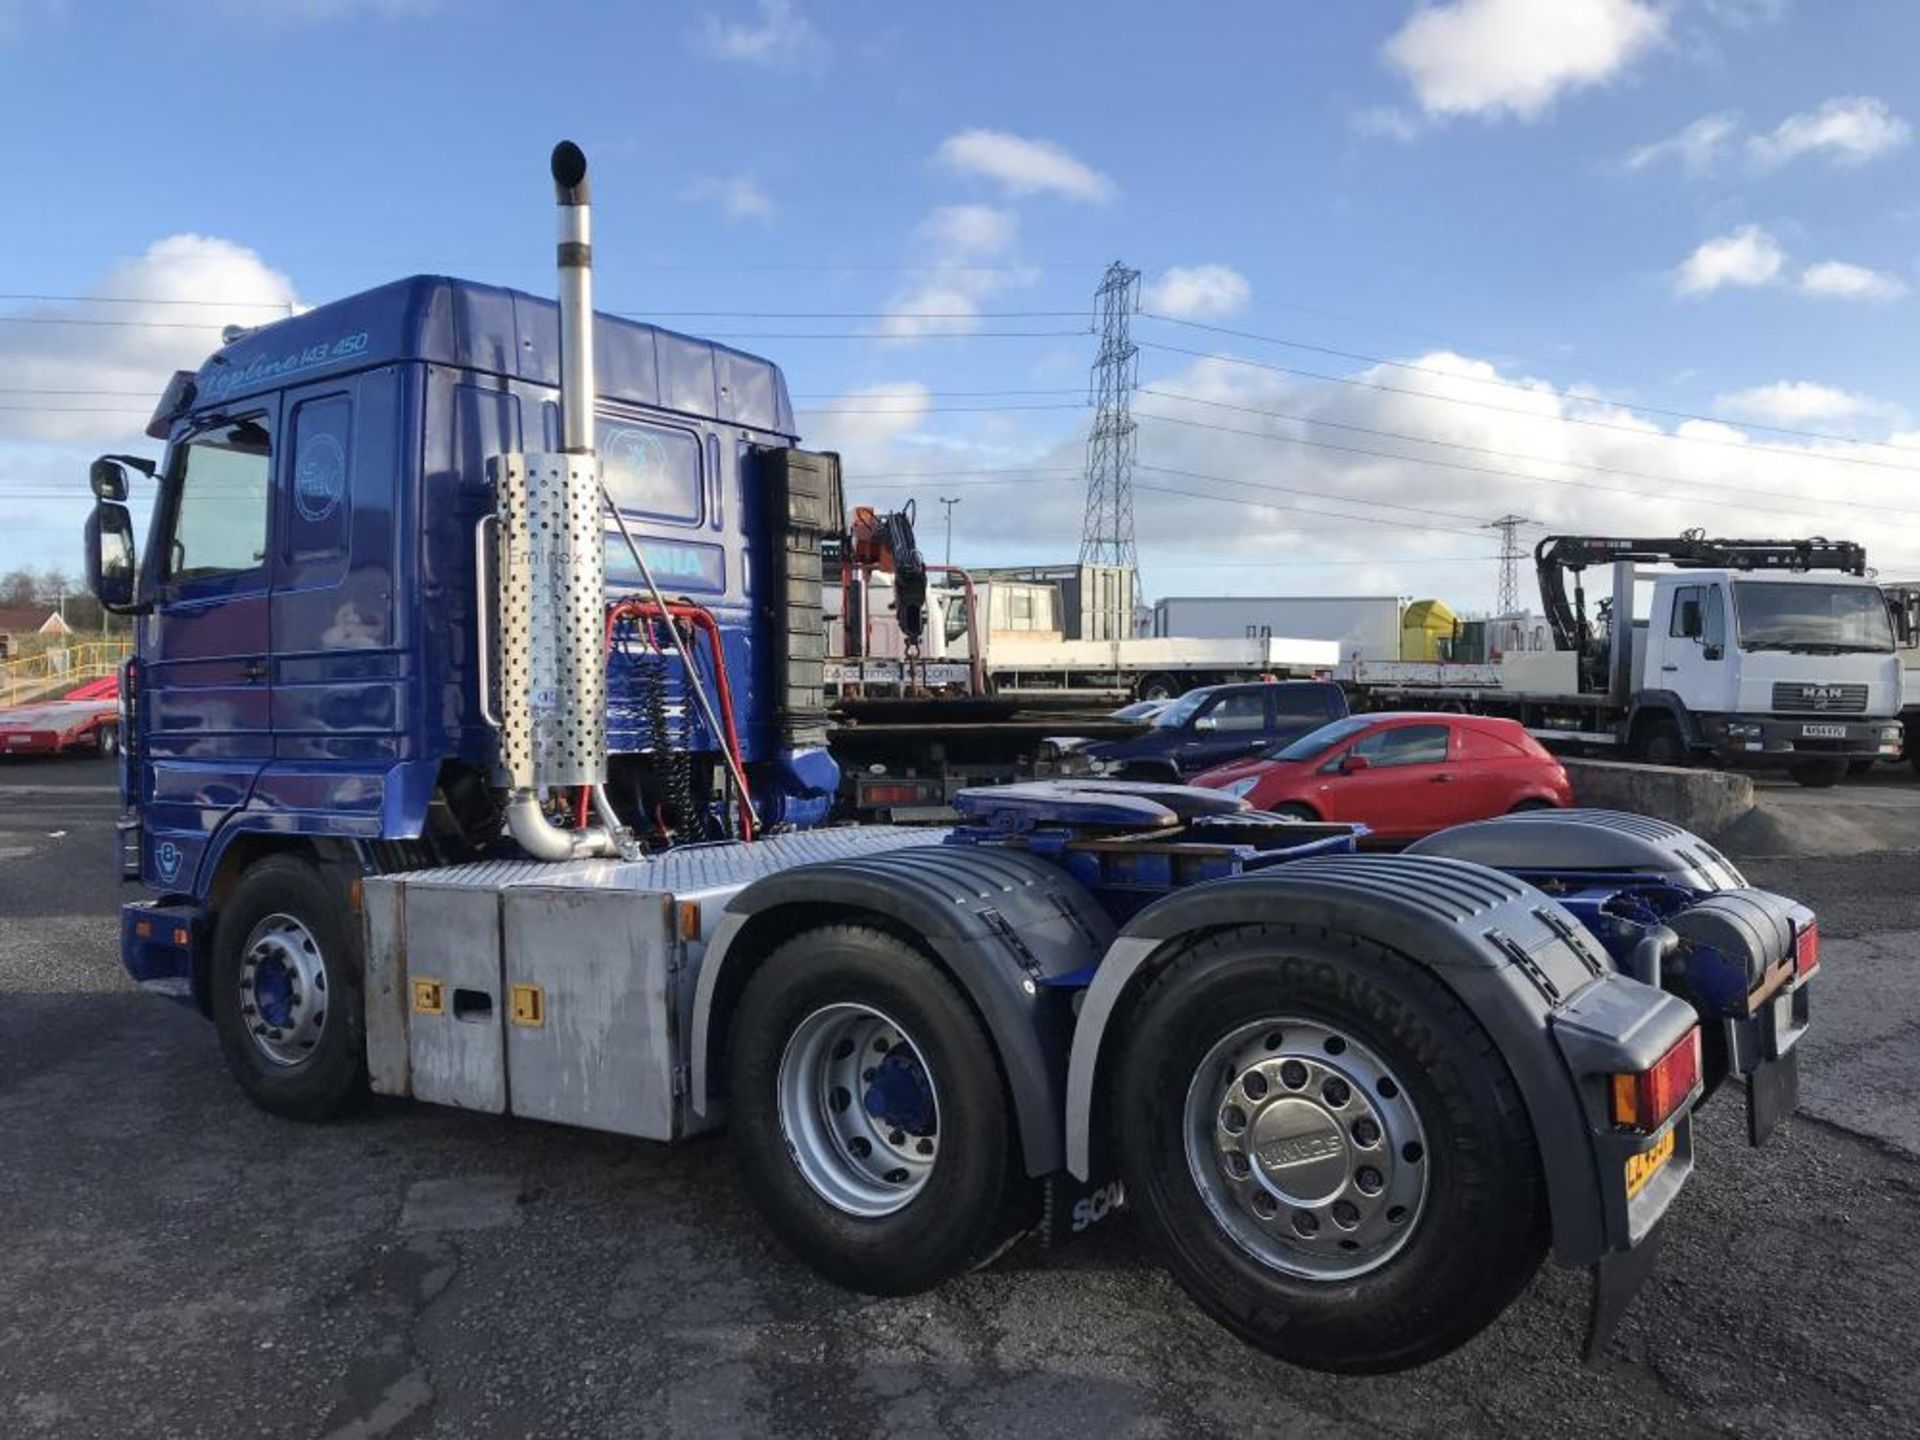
[552, 570]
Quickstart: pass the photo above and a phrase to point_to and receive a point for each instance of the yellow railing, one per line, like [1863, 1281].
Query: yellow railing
[55, 671]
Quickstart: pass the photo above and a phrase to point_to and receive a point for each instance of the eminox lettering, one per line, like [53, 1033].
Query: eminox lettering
[1297, 1150]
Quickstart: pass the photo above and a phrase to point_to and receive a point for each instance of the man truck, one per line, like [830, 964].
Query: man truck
[473, 755]
[1755, 653]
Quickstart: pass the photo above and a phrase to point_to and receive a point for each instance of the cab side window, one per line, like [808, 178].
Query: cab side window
[1684, 597]
[1405, 745]
[224, 477]
[1243, 712]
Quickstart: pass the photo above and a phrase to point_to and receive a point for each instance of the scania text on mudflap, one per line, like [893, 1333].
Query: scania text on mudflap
[475, 753]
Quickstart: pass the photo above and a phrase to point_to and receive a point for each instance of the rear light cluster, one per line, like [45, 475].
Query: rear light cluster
[1806, 952]
[898, 792]
[1645, 1100]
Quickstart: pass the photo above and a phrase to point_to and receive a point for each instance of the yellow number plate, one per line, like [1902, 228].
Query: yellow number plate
[1643, 1167]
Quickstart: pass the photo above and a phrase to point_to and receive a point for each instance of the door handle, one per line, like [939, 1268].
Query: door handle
[255, 671]
[1441, 779]
[1669, 668]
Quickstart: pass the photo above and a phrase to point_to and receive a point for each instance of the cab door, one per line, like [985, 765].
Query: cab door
[1409, 787]
[1231, 726]
[206, 691]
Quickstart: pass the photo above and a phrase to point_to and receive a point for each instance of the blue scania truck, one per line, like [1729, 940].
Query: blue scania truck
[475, 753]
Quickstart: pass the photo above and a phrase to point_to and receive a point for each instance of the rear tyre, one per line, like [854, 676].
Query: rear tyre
[106, 741]
[869, 1119]
[1818, 774]
[286, 982]
[1293, 810]
[1157, 687]
[1327, 1149]
[1532, 803]
[1661, 744]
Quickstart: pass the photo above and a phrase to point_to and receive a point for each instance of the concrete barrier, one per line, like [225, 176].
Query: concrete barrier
[1703, 801]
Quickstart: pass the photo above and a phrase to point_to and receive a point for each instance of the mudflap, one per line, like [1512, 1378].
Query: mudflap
[1617, 1278]
[1773, 1093]
[1075, 1206]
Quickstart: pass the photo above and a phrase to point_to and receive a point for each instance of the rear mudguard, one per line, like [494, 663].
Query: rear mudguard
[1570, 844]
[1545, 992]
[1005, 925]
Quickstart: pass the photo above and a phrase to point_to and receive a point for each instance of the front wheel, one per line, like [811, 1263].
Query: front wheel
[285, 978]
[868, 1115]
[1818, 774]
[106, 741]
[1328, 1150]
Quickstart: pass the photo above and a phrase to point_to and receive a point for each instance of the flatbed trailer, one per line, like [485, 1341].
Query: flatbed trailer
[532, 838]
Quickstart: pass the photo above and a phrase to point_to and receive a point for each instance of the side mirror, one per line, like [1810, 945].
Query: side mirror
[1205, 723]
[109, 480]
[110, 558]
[1351, 764]
[1690, 626]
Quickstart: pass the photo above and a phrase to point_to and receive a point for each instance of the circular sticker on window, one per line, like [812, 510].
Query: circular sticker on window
[319, 477]
[635, 457]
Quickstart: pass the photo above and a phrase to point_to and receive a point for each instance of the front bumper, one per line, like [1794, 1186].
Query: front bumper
[1756, 739]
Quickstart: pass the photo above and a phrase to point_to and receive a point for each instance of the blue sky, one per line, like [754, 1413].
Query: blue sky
[1702, 207]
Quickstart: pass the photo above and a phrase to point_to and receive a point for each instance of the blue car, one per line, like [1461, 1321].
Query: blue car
[1218, 723]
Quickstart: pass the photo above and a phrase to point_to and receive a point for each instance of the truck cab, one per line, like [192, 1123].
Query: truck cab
[1766, 668]
[1217, 724]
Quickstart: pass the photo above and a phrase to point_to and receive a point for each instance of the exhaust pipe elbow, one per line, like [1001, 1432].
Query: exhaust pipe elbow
[543, 840]
[569, 174]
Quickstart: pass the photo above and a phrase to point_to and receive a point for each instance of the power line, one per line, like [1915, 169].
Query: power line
[1806, 508]
[1593, 399]
[1740, 490]
[1639, 432]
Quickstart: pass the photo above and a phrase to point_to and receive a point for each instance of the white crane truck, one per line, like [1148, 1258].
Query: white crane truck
[441, 793]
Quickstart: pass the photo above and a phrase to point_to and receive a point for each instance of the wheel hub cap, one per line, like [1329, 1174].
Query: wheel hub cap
[859, 1109]
[1307, 1149]
[283, 990]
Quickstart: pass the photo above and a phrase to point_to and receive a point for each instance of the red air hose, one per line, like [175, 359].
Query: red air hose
[703, 622]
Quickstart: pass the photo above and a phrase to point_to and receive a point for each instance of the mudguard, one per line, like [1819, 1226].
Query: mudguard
[1578, 842]
[1541, 987]
[1006, 926]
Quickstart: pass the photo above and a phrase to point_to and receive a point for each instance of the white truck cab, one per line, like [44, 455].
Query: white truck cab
[1766, 666]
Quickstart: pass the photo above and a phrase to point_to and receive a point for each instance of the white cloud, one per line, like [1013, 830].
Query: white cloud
[970, 230]
[1849, 130]
[1198, 292]
[870, 417]
[1257, 539]
[1388, 122]
[738, 197]
[967, 245]
[1839, 280]
[1495, 57]
[1695, 147]
[1795, 402]
[778, 38]
[1746, 258]
[106, 378]
[1024, 166]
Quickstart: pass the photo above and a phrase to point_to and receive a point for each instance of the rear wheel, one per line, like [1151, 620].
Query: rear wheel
[1818, 774]
[1533, 802]
[1293, 810]
[1157, 687]
[286, 977]
[1328, 1150]
[106, 740]
[868, 1115]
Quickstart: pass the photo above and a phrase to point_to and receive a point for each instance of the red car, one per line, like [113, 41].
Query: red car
[1402, 775]
[88, 720]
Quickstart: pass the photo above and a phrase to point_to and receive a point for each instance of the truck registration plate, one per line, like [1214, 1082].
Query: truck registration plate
[1824, 732]
[1643, 1167]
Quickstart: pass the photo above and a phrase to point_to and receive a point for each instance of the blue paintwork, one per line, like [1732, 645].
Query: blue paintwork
[320, 693]
[899, 1094]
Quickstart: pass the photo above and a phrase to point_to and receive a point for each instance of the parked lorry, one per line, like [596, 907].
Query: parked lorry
[1750, 657]
[1903, 609]
[473, 755]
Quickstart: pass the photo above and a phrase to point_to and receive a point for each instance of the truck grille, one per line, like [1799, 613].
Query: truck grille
[1820, 699]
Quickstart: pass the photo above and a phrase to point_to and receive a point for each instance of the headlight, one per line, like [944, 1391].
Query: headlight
[1240, 789]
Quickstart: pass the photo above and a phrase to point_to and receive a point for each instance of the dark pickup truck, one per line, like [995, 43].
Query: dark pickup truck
[1218, 723]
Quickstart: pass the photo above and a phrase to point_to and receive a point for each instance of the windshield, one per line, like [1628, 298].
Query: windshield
[1181, 710]
[1318, 742]
[1778, 616]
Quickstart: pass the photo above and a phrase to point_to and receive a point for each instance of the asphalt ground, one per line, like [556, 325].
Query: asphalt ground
[174, 1262]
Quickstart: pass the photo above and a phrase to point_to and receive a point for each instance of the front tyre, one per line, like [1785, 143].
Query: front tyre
[1328, 1150]
[286, 990]
[868, 1116]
